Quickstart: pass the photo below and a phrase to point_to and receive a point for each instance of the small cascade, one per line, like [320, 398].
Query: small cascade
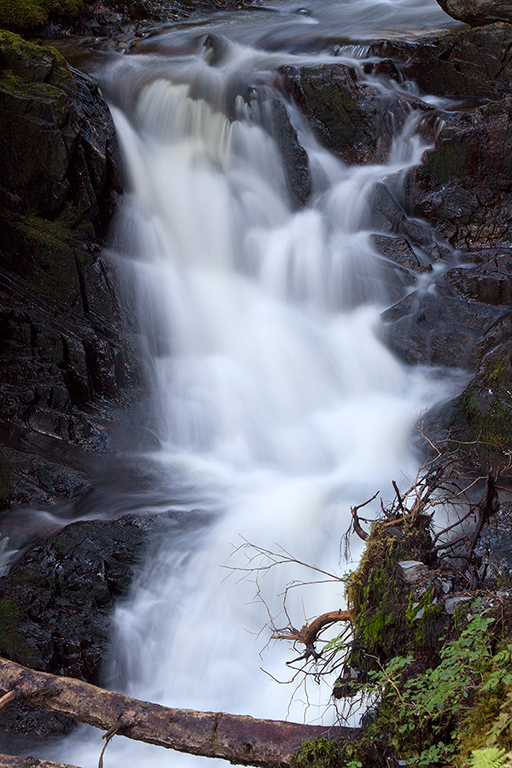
[274, 402]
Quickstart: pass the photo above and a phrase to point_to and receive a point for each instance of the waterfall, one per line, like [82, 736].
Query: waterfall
[275, 404]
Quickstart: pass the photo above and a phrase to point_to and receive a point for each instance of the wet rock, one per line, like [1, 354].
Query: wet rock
[469, 64]
[350, 118]
[479, 421]
[60, 593]
[478, 12]
[462, 187]
[295, 158]
[56, 603]
[387, 216]
[110, 18]
[267, 109]
[5, 481]
[429, 329]
[398, 250]
[490, 283]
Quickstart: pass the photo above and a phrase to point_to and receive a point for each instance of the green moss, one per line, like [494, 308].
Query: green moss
[448, 160]
[492, 109]
[498, 368]
[326, 753]
[12, 641]
[379, 597]
[64, 543]
[488, 420]
[56, 277]
[34, 63]
[22, 14]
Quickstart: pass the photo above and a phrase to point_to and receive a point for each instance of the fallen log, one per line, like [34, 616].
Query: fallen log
[9, 761]
[238, 738]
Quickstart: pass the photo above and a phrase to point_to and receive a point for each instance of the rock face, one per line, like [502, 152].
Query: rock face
[57, 600]
[56, 605]
[472, 64]
[100, 18]
[449, 229]
[478, 12]
[463, 185]
[351, 119]
[63, 350]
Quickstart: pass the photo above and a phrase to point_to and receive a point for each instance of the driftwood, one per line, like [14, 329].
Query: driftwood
[237, 738]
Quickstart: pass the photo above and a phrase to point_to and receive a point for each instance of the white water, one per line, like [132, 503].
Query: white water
[275, 404]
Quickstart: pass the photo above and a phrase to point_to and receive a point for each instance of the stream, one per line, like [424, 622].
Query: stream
[274, 404]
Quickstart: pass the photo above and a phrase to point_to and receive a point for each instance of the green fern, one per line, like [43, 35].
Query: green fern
[490, 757]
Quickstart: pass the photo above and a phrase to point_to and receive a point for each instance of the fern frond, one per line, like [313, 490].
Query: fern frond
[490, 757]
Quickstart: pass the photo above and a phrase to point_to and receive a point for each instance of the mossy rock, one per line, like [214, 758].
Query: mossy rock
[29, 14]
[381, 599]
[350, 118]
[479, 422]
[12, 639]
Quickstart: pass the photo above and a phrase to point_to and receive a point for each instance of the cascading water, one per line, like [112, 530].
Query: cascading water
[275, 404]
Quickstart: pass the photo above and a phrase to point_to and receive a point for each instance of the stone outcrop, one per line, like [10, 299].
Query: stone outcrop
[56, 605]
[64, 349]
[353, 120]
[470, 64]
[478, 12]
[105, 18]
[464, 183]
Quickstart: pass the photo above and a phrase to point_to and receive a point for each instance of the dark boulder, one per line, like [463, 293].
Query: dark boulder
[111, 18]
[399, 251]
[488, 283]
[469, 64]
[478, 423]
[295, 158]
[57, 599]
[56, 605]
[478, 12]
[352, 119]
[388, 218]
[426, 328]
[463, 185]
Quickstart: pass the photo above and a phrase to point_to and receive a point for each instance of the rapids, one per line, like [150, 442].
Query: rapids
[274, 403]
